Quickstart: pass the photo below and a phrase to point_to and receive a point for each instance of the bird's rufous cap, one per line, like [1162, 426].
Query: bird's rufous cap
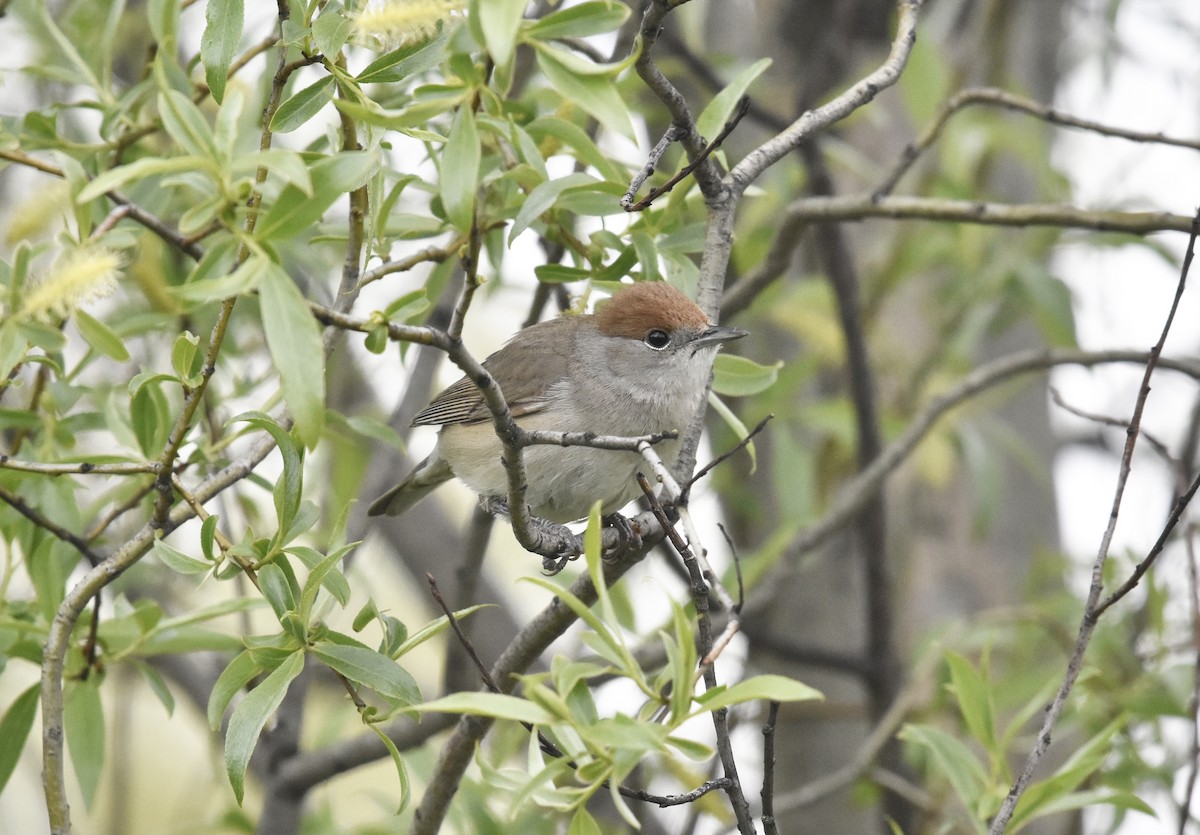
[635, 310]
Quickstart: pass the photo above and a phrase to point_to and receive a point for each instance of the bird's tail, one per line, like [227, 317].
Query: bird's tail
[420, 482]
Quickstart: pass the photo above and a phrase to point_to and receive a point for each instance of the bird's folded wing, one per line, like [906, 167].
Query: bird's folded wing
[462, 402]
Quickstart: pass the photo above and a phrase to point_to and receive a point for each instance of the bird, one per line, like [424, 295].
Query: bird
[639, 365]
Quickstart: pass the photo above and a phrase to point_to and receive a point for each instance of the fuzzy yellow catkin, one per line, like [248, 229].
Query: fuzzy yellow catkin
[39, 214]
[399, 22]
[76, 278]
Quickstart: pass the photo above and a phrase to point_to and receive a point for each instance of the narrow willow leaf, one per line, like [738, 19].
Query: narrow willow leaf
[543, 197]
[14, 728]
[595, 94]
[718, 111]
[495, 705]
[176, 560]
[398, 761]
[460, 170]
[302, 106]
[249, 717]
[101, 337]
[294, 340]
[370, 669]
[770, 687]
[735, 376]
[83, 722]
[500, 20]
[218, 45]
[293, 213]
[233, 678]
[591, 18]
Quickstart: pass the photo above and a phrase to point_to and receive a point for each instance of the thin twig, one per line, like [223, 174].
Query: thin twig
[1092, 606]
[723, 457]
[1002, 98]
[1189, 789]
[768, 786]
[699, 592]
[53, 528]
[627, 200]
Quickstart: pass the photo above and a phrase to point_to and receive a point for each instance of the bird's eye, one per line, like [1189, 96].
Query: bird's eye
[657, 339]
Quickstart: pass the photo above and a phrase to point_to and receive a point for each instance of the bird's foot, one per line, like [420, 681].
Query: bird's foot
[629, 538]
[556, 544]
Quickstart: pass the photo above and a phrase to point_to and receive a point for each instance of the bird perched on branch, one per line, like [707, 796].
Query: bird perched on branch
[638, 366]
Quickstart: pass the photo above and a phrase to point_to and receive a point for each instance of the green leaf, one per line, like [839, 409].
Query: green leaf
[495, 705]
[714, 116]
[324, 573]
[331, 30]
[185, 124]
[559, 274]
[302, 106]
[974, 699]
[595, 94]
[139, 170]
[151, 417]
[183, 354]
[12, 347]
[580, 21]
[577, 139]
[294, 340]
[276, 589]
[14, 728]
[460, 170]
[582, 823]
[499, 20]
[735, 376]
[770, 687]
[249, 717]
[176, 560]
[83, 722]
[543, 197]
[101, 337]
[289, 488]
[293, 212]
[370, 669]
[410, 59]
[241, 281]
[433, 629]
[233, 678]
[157, 684]
[953, 759]
[219, 43]
[398, 761]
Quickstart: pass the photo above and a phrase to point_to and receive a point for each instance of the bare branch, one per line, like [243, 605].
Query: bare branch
[1093, 609]
[1002, 98]
[863, 207]
[813, 121]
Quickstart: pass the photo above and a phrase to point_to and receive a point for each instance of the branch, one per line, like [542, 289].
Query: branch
[82, 468]
[530, 643]
[1002, 98]
[1093, 609]
[775, 148]
[58, 531]
[862, 207]
[708, 175]
[859, 490]
[627, 203]
[688, 552]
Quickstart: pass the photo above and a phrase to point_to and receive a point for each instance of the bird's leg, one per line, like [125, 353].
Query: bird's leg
[559, 544]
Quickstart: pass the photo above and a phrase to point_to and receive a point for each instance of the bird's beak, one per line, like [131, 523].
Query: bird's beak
[717, 334]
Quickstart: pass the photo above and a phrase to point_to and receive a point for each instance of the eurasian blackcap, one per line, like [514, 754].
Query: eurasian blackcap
[639, 365]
